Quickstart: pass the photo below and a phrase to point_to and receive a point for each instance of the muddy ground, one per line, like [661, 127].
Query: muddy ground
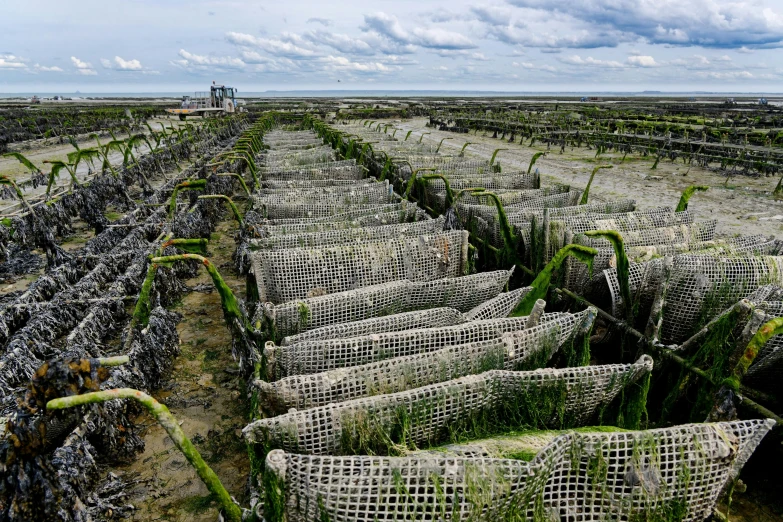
[204, 392]
[743, 205]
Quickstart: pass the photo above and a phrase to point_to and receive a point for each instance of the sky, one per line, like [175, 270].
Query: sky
[500, 45]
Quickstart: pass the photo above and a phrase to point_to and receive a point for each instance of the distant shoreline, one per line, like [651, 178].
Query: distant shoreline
[361, 93]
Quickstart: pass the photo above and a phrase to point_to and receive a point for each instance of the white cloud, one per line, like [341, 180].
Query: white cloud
[10, 61]
[83, 68]
[707, 23]
[288, 45]
[205, 62]
[341, 63]
[127, 65]
[591, 62]
[44, 68]
[432, 38]
[642, 61]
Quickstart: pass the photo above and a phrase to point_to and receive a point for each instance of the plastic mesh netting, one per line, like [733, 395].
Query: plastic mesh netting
[497, 307]
[492, 182]
[403, 213]
[462, 293]
[579, 477]
[297, 214]
[516, 350]
[555, 230]
[356, 235]
[701, 286]
[574, 394]
[347, 195]
[285, 275]
[318, 356]
[685, 236]
[646, 266]
[335, 170]
[298, 184]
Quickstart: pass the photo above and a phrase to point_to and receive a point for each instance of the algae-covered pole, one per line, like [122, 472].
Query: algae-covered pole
[412, 181]
[230, 204]
[686, 196]
[449, 193]
[664, 352]
[239, 177]
[231, 308]
[5, 180]
[534, 159]
[764, 334]
[494, 155]
[170, 424]
[541, 283]
[623, 268]
[586, 193]
[198, 184]
[509, 251]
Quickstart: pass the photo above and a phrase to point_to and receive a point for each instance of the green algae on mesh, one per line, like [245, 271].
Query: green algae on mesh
[231, 204]
[274, 497]
[757, 342]
[232, 311]
[682, 205]
[713, 356]
[540, 285]
[508, 254]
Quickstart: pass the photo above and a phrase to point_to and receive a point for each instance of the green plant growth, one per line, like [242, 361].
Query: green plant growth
[686, 196]
[540, 285]
[57, 166]
[407, 135]
[170, 424]
[5, 180]
[534, 159]
[757, 342]
[623, 269]
[422, 135]
[232, 311]
[508, 254]
[586, 193]
[713, 356]
[441, 143]
[198, 184]
[449, 193]
[462, 150]
[492, 159]
[231, 204]
[412, 180]
[24, 161]
[239, 178]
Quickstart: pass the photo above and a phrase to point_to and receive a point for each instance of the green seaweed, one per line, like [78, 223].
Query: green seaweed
[586, 193]
[534, 159]
[623, 270]
[198, 184]
[540, 285]
[686, 196]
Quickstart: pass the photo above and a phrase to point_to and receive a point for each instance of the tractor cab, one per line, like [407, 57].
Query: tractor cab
[222, 97]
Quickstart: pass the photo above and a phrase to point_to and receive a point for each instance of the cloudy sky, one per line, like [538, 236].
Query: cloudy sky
[510, 45]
